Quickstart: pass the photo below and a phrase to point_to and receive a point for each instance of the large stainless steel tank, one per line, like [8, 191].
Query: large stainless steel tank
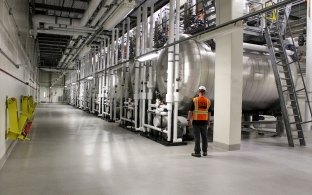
[197, 67]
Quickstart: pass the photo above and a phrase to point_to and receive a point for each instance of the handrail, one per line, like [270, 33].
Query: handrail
[14, 77]
[8, 58]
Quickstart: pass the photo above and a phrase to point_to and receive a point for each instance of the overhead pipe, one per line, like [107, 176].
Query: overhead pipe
[169, 95]
[93, 4]
[70, 45]
[176, 93]
[261, 48]
[62, 32]
[101, 12]
[76, 23]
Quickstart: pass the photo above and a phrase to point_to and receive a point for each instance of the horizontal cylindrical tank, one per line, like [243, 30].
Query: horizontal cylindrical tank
[197, 67]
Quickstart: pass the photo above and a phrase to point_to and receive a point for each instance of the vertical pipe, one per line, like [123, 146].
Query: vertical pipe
[122, 85]
[137, 66]
[104, 73]
[127, 58]
[308, 64]
[111, 76]
[115, 75]
[143, 76]
[176, 74]
[169, 96]
[150, 68]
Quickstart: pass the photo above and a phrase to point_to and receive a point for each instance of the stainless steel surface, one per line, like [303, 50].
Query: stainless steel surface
[197, 68]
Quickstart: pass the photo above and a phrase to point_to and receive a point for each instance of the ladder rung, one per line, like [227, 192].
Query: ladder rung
[285, 78]
[285, 91]
[290, 93]
[282, 71]
[275, 38]
[300, 90]
[286, 86]
[300, 123]
[277, 44]
[293, 115]
[297, 138]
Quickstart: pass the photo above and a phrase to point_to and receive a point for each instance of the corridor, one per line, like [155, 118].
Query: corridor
[73, 152]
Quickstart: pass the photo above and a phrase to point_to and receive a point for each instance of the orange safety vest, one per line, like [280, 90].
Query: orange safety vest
[201, 106]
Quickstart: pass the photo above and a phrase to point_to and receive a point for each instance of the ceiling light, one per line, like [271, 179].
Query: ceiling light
[119, 14]
[90, 78]
[149, 56]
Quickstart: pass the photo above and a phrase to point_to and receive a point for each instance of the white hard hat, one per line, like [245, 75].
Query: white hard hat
[202, 88]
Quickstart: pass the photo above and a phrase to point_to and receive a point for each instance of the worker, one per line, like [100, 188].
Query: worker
[198, 116]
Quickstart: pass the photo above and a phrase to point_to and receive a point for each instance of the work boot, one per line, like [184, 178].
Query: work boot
[196, 155]
[204, 153]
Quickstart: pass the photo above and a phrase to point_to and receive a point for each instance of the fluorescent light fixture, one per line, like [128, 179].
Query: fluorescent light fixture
[148, 56]
[123, 9]
[90, 78]
[65, 86]
[73, 83]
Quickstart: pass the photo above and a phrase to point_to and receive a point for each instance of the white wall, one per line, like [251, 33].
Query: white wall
[20, 47]
[51, 94]
[44, 94]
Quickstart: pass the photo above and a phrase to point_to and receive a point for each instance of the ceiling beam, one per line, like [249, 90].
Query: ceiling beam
[53, 44]
[50, 49]
[58, 8]
[51, 37]
[51, 52]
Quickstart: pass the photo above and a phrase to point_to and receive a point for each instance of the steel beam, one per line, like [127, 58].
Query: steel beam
[58, 8]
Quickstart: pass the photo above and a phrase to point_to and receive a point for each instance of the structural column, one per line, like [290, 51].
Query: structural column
[309, 62]
[228, 79]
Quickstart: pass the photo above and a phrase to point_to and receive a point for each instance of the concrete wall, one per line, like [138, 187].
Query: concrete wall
[16, 43]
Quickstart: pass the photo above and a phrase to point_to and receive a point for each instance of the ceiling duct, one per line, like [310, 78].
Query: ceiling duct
[122, 10]
[102, 11]
[89, 12]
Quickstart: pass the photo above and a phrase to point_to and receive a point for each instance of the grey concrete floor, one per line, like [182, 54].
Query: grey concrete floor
[72, 152]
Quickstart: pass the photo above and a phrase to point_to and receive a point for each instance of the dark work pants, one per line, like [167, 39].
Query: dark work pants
[200, 130]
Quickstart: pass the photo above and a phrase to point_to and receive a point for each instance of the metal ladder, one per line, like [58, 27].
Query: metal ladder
[281, 64]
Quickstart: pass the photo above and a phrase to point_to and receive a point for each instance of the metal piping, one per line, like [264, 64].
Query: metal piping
[170, 70]
[143, 68]
[176, 93]
[137, 66]
[150, 69]
[220, 26]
